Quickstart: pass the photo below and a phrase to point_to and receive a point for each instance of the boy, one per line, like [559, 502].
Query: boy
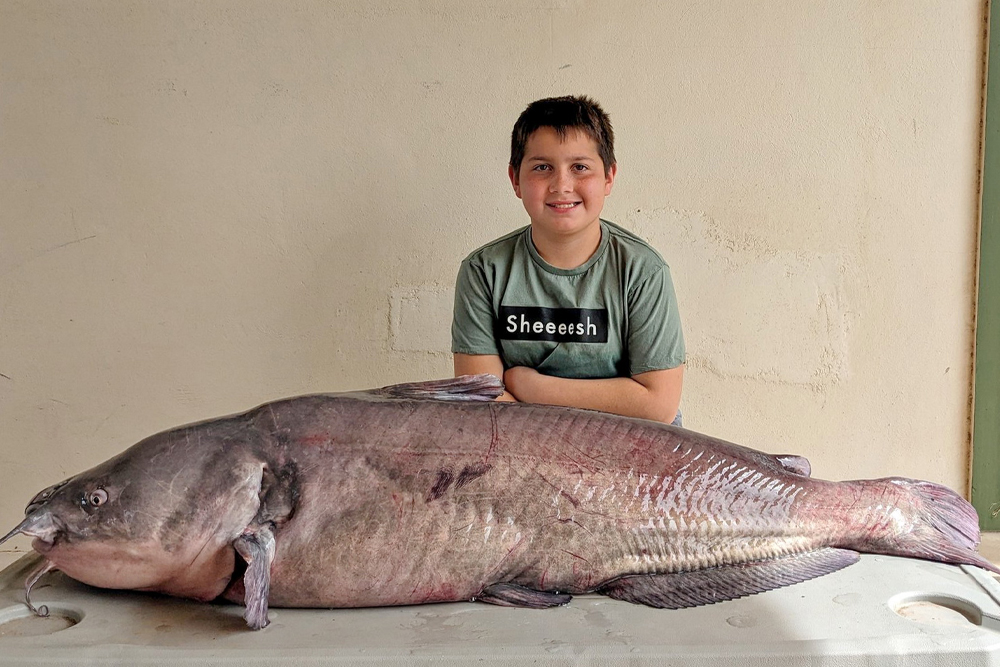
[570, 310]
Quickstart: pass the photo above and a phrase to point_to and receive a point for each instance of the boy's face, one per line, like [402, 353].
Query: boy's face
[562, 183]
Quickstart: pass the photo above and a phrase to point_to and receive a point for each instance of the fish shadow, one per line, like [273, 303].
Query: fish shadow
[151, 617]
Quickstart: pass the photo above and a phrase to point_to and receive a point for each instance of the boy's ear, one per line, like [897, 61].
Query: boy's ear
[609, 179]
[514, 180]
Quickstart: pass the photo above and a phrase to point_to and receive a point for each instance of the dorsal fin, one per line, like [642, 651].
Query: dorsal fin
[483, 387]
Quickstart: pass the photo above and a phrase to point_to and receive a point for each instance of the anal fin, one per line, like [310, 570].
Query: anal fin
[514, 595]
[727, 582]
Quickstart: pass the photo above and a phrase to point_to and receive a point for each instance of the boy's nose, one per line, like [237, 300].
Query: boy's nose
[561, 182]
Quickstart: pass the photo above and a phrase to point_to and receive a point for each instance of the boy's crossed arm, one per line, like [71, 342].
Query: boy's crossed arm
[650, 395]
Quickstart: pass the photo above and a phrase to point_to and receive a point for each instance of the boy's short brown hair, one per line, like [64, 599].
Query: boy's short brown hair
[562, 114]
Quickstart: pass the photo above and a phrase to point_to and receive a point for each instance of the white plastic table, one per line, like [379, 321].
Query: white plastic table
[881, 611]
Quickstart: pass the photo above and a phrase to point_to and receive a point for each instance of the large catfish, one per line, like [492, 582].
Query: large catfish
[432, 492]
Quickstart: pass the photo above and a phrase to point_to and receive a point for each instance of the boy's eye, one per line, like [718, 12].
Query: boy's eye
[540, 167]
[580, 167]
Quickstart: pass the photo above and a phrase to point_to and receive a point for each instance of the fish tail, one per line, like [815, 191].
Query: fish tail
[927, 521]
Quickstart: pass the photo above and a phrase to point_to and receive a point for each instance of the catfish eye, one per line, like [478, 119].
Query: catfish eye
[97, 497]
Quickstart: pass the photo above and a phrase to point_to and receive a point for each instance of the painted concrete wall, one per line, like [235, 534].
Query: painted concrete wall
[204, 206]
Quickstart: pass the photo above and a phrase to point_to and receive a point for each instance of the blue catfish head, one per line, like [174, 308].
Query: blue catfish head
[160, 516]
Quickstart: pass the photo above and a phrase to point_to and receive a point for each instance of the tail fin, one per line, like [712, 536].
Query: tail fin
[933, 522]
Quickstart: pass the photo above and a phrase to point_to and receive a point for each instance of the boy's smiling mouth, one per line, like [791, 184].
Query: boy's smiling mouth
[560, 205]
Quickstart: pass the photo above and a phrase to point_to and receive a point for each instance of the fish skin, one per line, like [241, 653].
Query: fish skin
[390, 497]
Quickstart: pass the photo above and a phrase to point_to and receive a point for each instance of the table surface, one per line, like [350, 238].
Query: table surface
[890, 610]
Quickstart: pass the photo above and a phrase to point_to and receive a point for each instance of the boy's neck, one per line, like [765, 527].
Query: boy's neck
[567, 252]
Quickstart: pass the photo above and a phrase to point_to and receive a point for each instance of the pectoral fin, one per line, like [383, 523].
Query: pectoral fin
[256, 546]
[728, 582]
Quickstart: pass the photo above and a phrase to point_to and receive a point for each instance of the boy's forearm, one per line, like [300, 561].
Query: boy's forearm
[654, 395]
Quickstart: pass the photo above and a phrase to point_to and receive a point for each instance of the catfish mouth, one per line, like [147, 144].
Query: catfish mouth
[43, 546]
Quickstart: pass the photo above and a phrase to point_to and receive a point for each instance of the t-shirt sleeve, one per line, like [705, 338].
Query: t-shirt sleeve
[655, 339]
[472, 320]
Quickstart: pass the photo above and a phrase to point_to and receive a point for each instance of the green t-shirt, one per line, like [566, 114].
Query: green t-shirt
[614, 316]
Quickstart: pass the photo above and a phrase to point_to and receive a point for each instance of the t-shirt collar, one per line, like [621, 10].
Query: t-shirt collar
[542, 264]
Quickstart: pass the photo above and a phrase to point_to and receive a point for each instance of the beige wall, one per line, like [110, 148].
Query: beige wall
[206, 205]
